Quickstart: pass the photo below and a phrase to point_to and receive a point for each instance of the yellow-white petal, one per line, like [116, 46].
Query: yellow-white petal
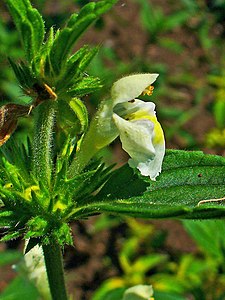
[151, 167]
[142, 137]
[130, 87]
[136, 137]
[131, 119]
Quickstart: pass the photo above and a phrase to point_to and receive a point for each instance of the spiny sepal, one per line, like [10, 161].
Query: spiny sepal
[33, 209]
[50, 62]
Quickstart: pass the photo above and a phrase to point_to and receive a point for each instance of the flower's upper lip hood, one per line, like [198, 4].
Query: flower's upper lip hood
[130, 87]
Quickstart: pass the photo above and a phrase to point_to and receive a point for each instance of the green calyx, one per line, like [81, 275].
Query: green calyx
[36, 208]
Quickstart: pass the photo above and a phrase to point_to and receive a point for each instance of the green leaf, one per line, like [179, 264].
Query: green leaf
[168, 296]
[173, 46]
[23, 74]
[86, 86]
[111, 289]
[37, 227]
[20, 158]
[80, 111]
[147, 262]
[75, 67]
[87, 58]
[72, 116]
[219, 113]
[82, 186]
[209, 235]
[6, 218]
[63, 235]
[186, 179]
[20, 289]
[77, 24]
[9, 257]
[30, 25]
[11, 236]
[176, 19]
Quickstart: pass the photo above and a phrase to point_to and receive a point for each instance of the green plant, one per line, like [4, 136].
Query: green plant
[155, 22]
[210, 239]
[10, 45]
[174, 275]
[215, 138]
[51, 178]
[20, 287]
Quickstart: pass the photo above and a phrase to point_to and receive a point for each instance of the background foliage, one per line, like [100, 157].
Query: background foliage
[184, 42]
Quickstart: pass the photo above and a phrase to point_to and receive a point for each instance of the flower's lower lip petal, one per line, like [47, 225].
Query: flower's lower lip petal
[139, 141]
[151, 167]
[136, 137]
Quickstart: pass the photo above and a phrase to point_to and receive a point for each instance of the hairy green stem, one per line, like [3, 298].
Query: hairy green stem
[43, 141]
[42, 166]
[55, 271]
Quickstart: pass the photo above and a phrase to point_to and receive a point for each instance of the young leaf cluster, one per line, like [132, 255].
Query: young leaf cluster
[30, 209]
[51, 72]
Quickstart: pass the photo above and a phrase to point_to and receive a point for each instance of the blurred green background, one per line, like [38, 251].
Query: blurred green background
[183, 41]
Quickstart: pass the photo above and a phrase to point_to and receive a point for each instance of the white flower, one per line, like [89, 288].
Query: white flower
[35, 265]
[140, 132]
[133, 120]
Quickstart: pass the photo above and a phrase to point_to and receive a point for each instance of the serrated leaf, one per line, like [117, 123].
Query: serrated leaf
[87, 58]
[75, 67]
[23, 74]
[37, 227]
[11, 236]
[6, 218]
[77, 24]
[63, 235]
[187, 178]
[86, 86]
[20, 159]
[30, 25]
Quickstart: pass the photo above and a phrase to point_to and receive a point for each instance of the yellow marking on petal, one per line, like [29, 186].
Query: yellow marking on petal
[148, 91]
[158, 132]
[159, 136]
